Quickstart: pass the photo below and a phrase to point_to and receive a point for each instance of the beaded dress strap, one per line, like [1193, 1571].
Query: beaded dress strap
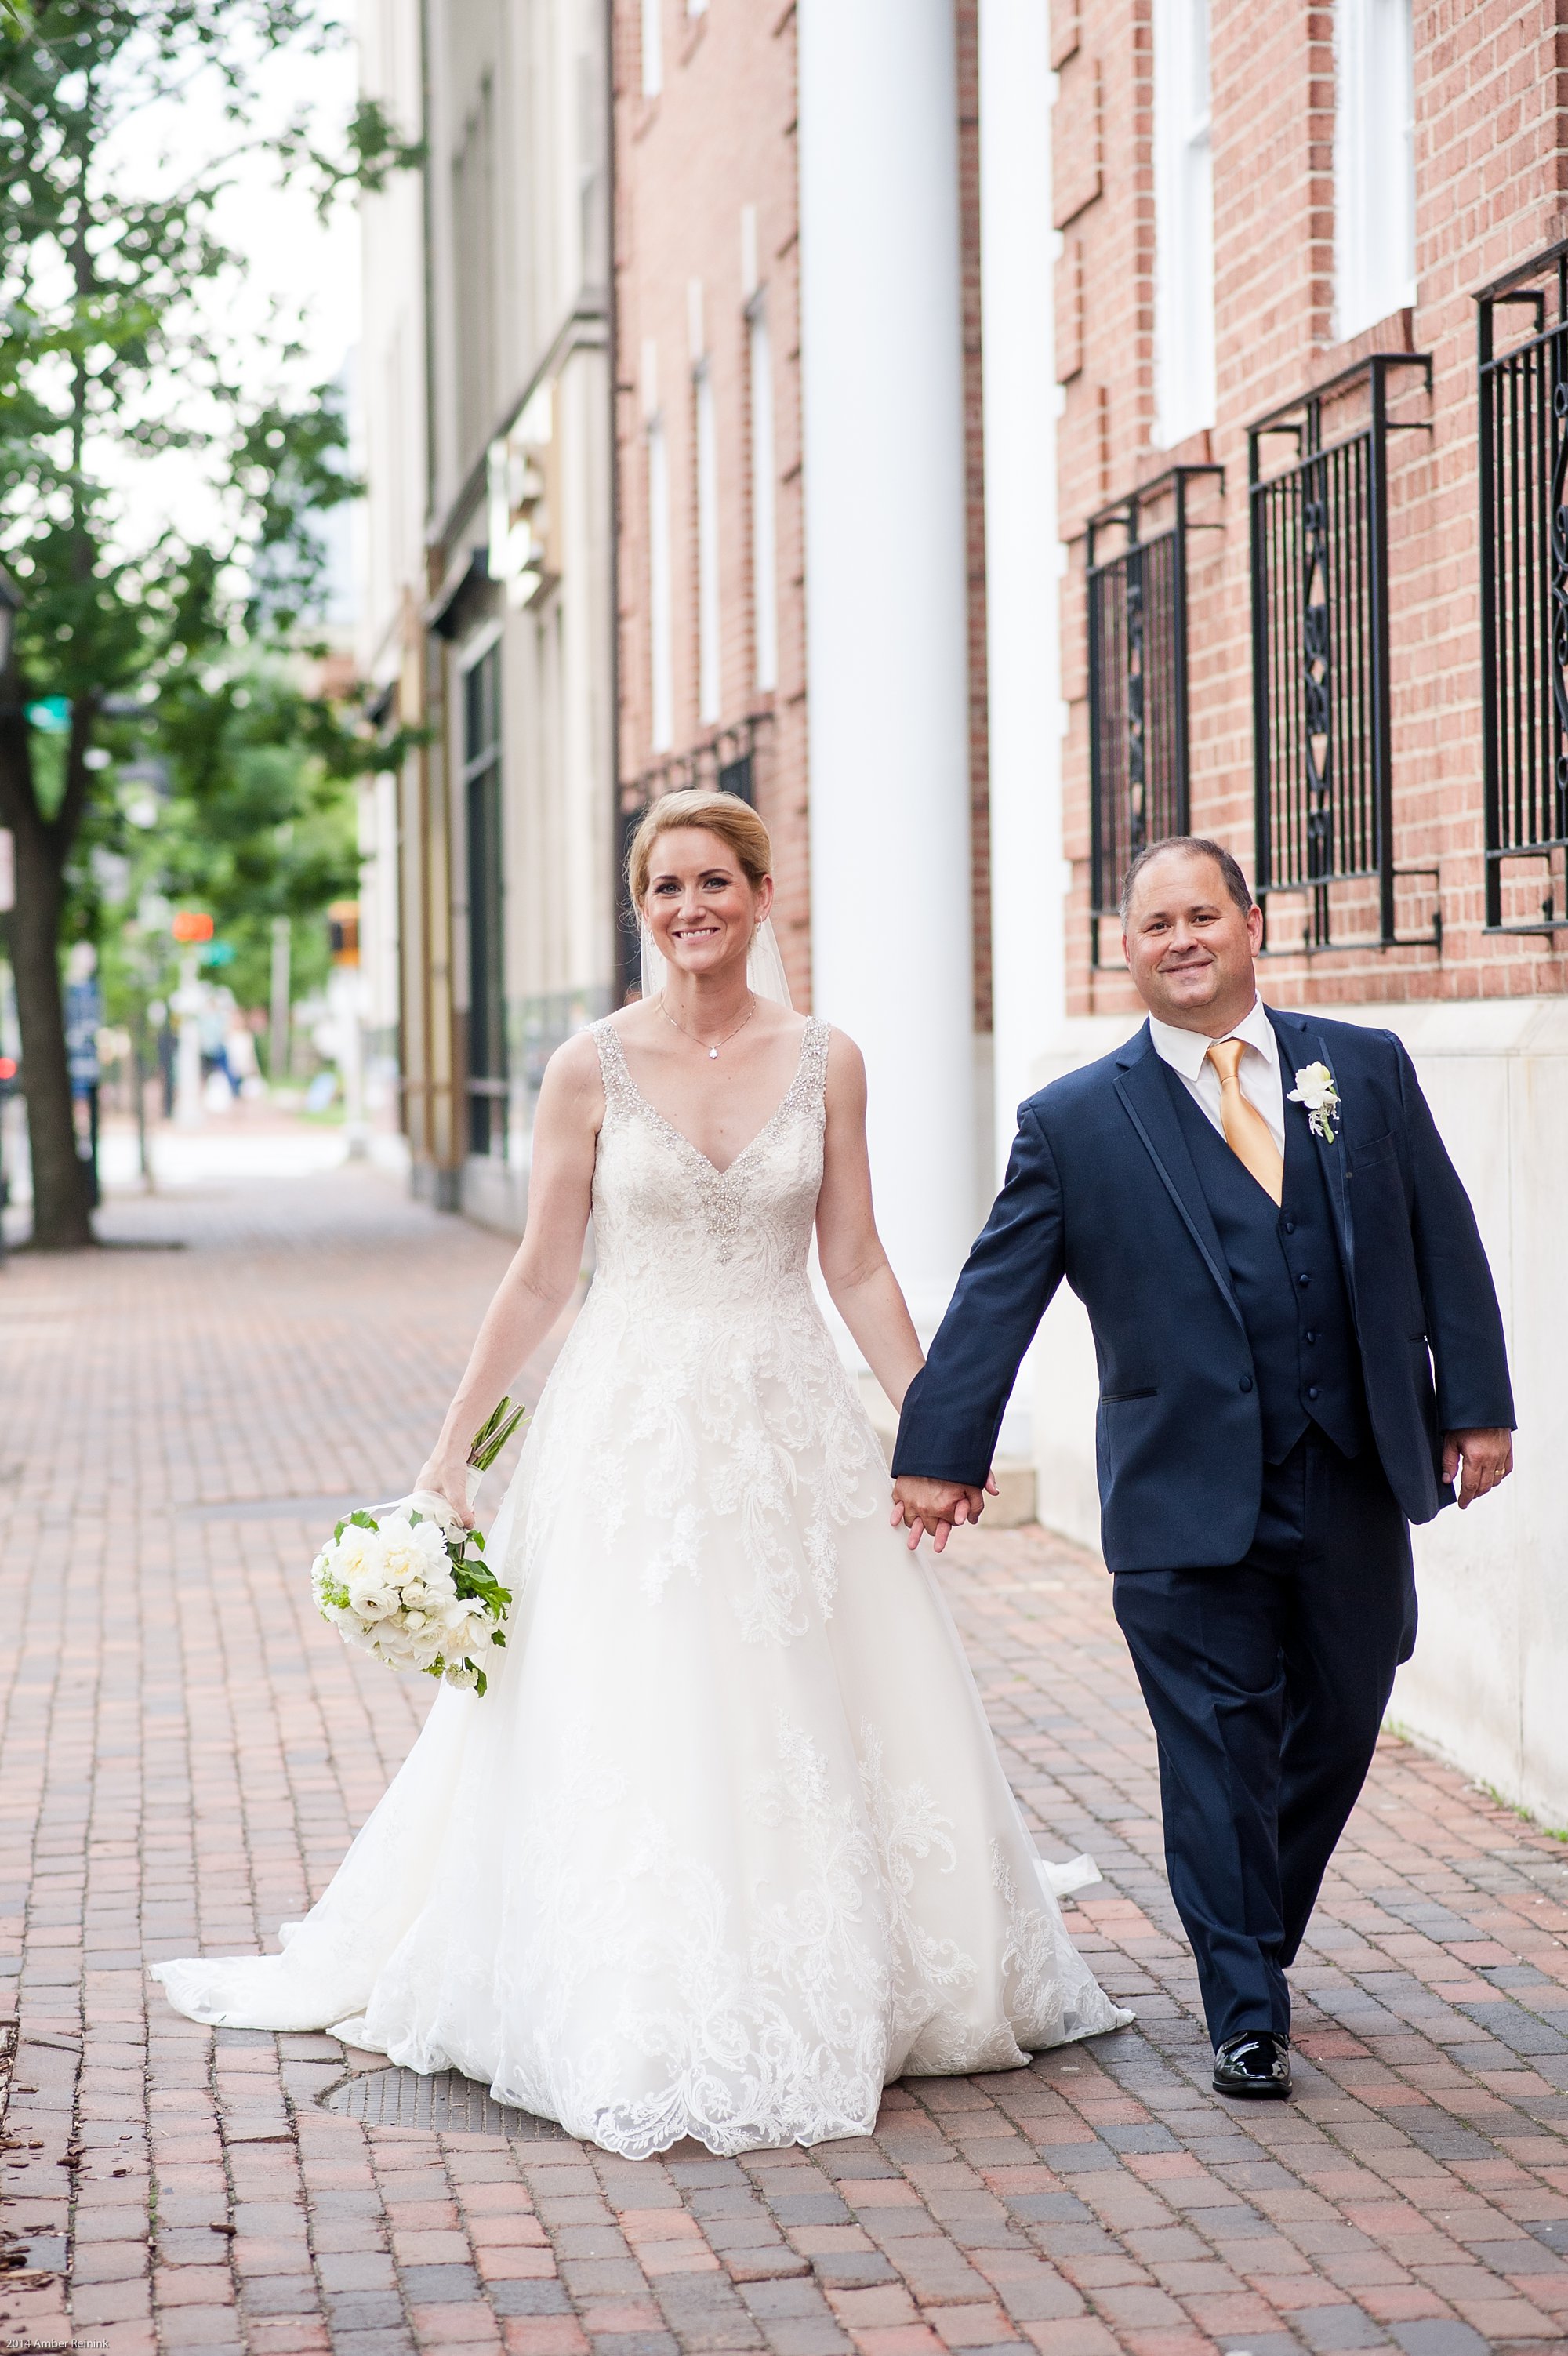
[620, 1094]
[811, 1079]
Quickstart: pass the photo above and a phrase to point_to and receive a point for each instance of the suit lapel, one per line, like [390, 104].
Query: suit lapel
[1301, 1045]
[1146, 1099]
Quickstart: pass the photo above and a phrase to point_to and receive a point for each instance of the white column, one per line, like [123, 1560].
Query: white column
[886, 612]
[1028, 877]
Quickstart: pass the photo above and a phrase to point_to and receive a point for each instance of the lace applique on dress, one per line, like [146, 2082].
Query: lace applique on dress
[742, 1439]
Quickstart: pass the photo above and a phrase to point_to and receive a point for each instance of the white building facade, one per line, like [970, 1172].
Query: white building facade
[489, 620]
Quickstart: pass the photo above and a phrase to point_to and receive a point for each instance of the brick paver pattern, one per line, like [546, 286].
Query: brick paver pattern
[186, 1751]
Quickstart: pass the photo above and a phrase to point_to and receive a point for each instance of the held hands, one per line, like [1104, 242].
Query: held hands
[1487, 1457]
[936, 1507]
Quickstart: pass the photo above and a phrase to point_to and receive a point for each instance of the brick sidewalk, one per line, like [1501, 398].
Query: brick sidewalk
[185, 1751]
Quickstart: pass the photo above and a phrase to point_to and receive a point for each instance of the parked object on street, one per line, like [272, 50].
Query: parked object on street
[83, 1011]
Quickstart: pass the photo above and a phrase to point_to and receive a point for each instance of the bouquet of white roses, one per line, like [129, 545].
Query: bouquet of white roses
[408, 1584]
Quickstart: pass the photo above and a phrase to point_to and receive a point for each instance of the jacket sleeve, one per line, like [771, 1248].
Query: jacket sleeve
[952, 1411]
[1463, 1322]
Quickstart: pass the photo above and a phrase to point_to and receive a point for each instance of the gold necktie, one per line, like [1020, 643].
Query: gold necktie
[1247, 1133]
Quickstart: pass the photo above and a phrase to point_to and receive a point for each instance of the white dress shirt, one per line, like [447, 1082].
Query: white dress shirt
[1187, 1051]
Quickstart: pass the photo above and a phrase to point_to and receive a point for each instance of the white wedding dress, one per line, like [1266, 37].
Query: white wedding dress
[726, 1845]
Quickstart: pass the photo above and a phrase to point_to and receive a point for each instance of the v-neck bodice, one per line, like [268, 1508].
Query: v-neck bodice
[666, 1219]
[611, 1047]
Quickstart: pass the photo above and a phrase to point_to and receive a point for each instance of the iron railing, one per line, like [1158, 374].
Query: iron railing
[1523, 460]
[1322, 726]
[1138, 788]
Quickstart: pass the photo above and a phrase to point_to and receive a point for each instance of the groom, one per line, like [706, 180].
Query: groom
[1299, 1347]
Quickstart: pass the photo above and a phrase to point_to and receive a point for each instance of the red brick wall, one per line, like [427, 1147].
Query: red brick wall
[720, 135]
[1490, 161]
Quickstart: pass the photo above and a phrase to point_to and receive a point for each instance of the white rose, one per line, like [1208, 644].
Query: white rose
[370, 1597]
[405, 1647]
[413, 1551]
[356, 1552]
[463, 1631]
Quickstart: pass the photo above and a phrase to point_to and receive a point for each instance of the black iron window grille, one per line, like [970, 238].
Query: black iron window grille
[1524, 593]
[727, 761]
[1321, 725]
[1137, 680]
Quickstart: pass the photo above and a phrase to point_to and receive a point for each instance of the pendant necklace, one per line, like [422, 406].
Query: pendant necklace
[712, 1052]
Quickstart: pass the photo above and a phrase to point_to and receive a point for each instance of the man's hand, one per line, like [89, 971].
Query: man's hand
[935, 1507]
[1487, 1457]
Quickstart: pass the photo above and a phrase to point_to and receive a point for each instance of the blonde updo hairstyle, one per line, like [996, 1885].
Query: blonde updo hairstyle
[734, 822]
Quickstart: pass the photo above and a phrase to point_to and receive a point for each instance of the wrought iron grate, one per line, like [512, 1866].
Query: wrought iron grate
[455, 2105]
[1523, 458]
[1321, 719]
[1137, 682]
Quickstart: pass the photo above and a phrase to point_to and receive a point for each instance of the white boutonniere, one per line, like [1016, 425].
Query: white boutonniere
[1314, 1088]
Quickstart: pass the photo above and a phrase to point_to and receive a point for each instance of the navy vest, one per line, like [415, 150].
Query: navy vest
[1288, 1281]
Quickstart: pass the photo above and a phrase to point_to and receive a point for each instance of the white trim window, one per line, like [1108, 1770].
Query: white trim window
[764, 515]
[652, 47]
[1374, 163]
[709, 665]
[1184, 222]
[661, 649]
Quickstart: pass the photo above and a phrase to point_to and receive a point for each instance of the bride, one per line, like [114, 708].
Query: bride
[727, 1847]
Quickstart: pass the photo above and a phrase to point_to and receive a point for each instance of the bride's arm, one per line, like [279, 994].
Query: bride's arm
[539, 1281]
[864, 1290]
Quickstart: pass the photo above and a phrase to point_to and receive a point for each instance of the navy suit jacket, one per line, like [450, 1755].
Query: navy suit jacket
[1101, 1190]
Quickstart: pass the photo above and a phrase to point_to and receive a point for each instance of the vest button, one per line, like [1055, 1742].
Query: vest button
[1290, 1227]
[1309, 1337]
[1304, 1279]
[1311, 1390]
[1246, 1383]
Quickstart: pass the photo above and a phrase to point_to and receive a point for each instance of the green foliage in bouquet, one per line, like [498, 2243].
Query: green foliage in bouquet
[493, 1434]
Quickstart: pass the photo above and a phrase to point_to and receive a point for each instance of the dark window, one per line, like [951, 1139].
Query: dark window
[1137, 681]
[734, 777]
[1524, 593]
[487, 996]
[1321, 725]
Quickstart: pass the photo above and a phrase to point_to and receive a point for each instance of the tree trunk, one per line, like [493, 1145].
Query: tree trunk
[60, 1221]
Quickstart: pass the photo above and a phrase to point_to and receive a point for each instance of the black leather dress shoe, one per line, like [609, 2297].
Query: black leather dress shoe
[1255, 2065]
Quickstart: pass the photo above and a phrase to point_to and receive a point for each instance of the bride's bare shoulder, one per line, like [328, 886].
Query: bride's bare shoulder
[847, 1072]
[572, 1081]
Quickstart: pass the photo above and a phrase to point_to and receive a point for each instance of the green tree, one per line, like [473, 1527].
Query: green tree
[257, 821]
[110, 357]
